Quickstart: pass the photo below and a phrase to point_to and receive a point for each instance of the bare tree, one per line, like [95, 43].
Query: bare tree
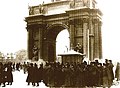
[21, 54]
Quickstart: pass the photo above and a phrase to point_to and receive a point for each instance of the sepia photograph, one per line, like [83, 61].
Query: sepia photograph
[59, 44]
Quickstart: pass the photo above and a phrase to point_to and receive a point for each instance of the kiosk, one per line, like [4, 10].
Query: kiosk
[71, 57]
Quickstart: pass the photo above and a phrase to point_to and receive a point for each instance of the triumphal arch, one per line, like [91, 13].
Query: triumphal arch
[81, 18]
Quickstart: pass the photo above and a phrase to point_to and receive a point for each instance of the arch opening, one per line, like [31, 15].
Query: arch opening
[57, 42]
[62, 42]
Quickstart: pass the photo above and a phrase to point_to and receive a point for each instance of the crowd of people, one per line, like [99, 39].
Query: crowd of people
[6, 72]
[6, 75]
[57, 74]
[72, 74]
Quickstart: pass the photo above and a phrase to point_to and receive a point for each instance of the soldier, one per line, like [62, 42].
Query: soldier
[72, 76]
[100, 74]
[40, 71]
[1, 72]
[105, 76]
[25, 67]
[85, 68]
[87, 75]
[56, 78]
[13, 66]
[110, 72]
[9, 74]
[79, 76]
[117, 71]
[30, 74]
[46, 74]
[97, 72]
[18, 66]
[94, 75]
[63, 74]
[35, 75]
[67, 75]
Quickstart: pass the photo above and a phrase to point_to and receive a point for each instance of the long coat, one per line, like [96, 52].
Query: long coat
[1, 73]
[9, 74]
[117, 72]
[30, 75]
[105, 77]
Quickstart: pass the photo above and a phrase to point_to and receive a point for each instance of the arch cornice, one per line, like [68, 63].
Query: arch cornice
[50, 26]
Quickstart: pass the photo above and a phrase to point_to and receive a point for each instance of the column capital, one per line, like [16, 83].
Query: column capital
[71, 22]
[100, 23]
[29, 27]
[97, 21]
[32, 26]
[85, 20]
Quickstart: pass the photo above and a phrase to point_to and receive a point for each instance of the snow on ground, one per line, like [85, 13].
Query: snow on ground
[20, 81]
[116, 85]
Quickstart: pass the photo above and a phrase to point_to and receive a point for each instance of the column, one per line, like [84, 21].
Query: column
[30, 40]
[91, 39]
[100, 40]
[71, 30]
[85, 37]
[50, 53]
[39, 46]
[96, 39]
[40, 28]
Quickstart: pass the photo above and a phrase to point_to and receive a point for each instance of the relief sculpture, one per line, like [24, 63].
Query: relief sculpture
[35, 53]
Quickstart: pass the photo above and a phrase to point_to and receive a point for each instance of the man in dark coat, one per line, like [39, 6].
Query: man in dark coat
[67, 75]
[100, 74]
[9, 74]
[40, 71]
[30, 74]
[105, 76]
[35, 75]
[18, 66]
[117, 71]
[1, 72]
[110, 72]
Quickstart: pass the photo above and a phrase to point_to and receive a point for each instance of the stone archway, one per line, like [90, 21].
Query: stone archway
[83, 24]
[50, 40]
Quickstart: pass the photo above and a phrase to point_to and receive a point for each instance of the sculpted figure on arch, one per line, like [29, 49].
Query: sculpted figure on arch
[35, 53]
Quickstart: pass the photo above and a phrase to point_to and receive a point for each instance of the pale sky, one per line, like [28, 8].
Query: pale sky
[13, 35]
[111, 28]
